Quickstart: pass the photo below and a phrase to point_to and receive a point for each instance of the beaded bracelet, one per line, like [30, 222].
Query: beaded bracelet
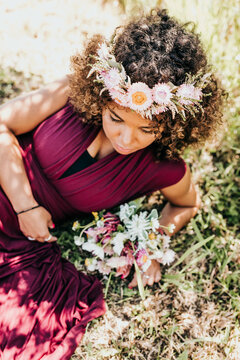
[23, 211]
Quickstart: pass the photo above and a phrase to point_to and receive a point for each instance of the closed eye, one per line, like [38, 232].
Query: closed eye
[115, 120]
[120, 121]
[147, 131]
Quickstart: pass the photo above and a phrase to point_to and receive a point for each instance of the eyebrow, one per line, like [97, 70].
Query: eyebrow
[144, 127]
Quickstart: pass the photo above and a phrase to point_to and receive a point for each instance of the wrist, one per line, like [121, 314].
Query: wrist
[25, 204]
[29, 209]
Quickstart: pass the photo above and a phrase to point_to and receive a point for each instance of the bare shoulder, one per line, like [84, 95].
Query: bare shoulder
[183, 193]
[25, 112]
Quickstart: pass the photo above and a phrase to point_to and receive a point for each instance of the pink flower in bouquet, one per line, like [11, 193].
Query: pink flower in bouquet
[142, 257]
[103, 268]
[123, 271]
[111, 222]
[108, 250]
[127, 253]
[92, 233]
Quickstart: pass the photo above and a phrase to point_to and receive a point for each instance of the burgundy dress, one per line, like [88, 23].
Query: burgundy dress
[45, 303]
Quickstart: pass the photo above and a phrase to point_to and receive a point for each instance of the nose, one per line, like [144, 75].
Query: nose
[127, 137]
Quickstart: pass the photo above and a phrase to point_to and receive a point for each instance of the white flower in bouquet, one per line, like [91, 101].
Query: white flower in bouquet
[118, 242]
[100, 223]
[137, 227]
[96, 249]
[126, 211]
[168, 257]
[154, 224]
[91, 264]
[152, 244]
[117, 261]
[78, 240]
[171, 228]
[166, 241]
[146, 265]
[157, 255]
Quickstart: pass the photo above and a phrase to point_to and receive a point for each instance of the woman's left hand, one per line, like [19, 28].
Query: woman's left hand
[149, 277]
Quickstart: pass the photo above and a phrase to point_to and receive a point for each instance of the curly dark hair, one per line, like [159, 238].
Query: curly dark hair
[153, 48]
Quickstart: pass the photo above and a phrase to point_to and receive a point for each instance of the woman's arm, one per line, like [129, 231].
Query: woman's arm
[25, 112]
[183, 204]
[18, 116]
[15, 184]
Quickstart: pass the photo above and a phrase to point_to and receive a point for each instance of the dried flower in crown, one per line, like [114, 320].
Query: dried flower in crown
[142, 99]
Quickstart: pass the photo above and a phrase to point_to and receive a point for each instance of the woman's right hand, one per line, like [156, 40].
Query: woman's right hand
[35, 224]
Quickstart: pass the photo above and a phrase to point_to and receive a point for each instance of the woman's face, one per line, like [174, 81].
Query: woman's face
[125, 129]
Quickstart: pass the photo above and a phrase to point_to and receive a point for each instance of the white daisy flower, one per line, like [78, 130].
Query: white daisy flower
[166, 241]
[168, 257]
[152, 244]
[157, 255]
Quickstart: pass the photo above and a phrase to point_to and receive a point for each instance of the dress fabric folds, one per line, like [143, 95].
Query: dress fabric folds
[45, 303]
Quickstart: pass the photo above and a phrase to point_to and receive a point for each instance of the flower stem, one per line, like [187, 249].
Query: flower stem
[107, 286]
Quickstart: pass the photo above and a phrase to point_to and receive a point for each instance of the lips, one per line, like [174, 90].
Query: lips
[122, 149]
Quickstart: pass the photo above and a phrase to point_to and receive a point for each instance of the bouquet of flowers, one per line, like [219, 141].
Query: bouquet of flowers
[117, 241]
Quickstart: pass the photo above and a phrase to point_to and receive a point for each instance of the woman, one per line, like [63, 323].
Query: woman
[134, 104]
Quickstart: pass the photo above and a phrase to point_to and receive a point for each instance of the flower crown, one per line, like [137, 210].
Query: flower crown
[139, 97]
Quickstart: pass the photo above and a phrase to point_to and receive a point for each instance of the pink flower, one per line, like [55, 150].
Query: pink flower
[187, 91]
[103, 268]
[119, 97]
[123, 271]
[139, 96]
[162, 94]
[111, 78]
[108, 250]
[92, 233]
[142, 257]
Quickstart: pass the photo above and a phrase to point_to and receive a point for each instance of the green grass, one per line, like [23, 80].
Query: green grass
[194, 311]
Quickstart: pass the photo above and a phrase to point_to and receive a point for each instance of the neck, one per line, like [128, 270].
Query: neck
[105, 147]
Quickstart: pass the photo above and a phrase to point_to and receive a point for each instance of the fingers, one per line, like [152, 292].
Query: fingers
[43, 237]
[47, 238]
[51, 225]
[147, 279]
[133, 283]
